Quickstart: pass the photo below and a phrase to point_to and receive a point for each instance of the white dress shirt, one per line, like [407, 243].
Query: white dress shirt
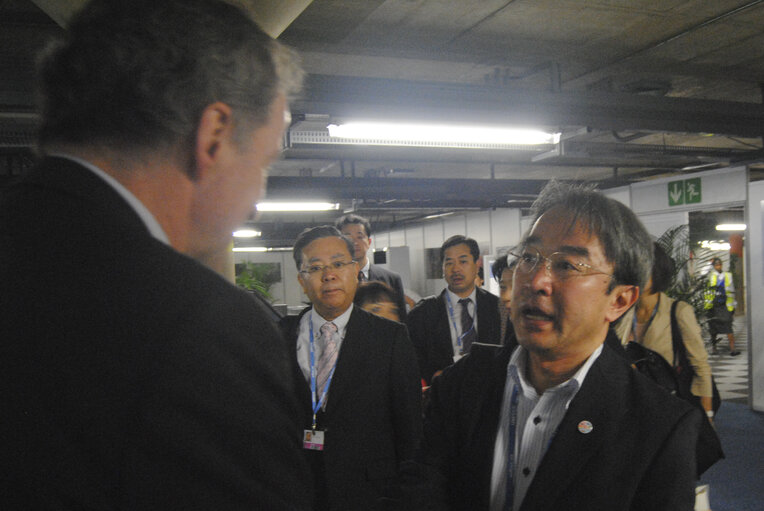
[303, 338]
[455, 321]
[537, 419]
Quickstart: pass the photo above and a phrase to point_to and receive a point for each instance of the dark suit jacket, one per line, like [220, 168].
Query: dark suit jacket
[373, 418]
[429, 328]
[132, 376]
[393, 280]
[639, 456]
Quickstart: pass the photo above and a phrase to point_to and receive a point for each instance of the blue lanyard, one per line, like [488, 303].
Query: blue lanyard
[510, 490]
[317, 403]
[453, 322]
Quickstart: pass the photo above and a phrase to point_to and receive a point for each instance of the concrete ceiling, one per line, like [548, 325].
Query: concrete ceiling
[638, 88]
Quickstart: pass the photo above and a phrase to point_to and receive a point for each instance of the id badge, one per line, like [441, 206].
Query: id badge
[313, 440]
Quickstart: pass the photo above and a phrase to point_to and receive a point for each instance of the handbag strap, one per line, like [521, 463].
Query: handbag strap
[677, 344]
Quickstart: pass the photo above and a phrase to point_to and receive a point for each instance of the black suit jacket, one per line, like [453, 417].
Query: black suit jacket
[132, 376]
[639, 456]
[430, 331]
[393, 280]
[373, 417]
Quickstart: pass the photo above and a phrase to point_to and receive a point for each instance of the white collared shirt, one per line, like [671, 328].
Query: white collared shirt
[537, 420]
[455, 322]
[142, 211]
[303, 338]
[365, 269]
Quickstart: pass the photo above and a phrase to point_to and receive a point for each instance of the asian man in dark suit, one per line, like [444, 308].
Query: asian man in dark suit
[358, 229]
[133, 377]
[357, 381]
[563, 422]
[441, 330]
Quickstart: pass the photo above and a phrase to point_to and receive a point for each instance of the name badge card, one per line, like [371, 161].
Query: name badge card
[313, 440]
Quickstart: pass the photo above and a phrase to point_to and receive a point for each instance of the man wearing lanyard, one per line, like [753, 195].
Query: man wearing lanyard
[563, 422]
[357, 380]
[444, 327]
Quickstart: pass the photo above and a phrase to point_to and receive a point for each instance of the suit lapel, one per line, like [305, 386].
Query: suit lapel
[597, 402]
[443, 324]
[350, 362]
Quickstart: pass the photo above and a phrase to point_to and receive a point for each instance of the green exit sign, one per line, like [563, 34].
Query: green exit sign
[687, 191]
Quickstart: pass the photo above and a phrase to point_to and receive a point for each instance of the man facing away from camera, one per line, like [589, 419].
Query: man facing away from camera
[133, 377]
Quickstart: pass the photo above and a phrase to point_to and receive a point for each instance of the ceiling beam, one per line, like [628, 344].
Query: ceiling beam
[273, 16]
[345, 97]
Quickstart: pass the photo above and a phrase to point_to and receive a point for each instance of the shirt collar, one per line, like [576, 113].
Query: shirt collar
[517, 369]
[142, 211]
[455, 298]
[365, 269]
[341, 321]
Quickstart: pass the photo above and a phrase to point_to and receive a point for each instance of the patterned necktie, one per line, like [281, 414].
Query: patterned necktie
[468, 332]
[328, 356]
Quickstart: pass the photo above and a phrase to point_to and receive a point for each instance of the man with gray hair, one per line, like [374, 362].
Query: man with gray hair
[133, 376]
[563, 422]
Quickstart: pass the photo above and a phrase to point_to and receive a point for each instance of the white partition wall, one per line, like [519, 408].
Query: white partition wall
[755, 271]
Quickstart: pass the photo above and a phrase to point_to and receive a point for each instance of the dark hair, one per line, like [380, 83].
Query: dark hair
[136, 75]
[312, 234]
[714, 260]
[626, 243]
[353, 219]
[373, 292]
[458, 239]
[498, 267]
[663, 270]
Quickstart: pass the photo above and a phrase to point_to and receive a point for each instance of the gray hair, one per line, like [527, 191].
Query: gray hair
[137, 74]
[626, 243]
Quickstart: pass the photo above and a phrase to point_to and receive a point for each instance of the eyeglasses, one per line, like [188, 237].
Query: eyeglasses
[317, 269]
[559, 265]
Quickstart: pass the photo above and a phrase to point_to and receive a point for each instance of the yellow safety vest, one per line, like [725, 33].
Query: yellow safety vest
[729, 289]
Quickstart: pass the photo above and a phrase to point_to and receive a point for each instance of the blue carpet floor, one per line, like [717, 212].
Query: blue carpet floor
[737, 482]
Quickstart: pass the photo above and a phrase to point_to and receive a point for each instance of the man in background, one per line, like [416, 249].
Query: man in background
[719, 303]
[133, 377]
[358, 229]
[356, 377]
[444, 327]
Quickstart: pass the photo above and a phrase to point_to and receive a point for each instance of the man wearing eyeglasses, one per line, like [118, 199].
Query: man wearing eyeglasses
[357, 380]
[563, 422]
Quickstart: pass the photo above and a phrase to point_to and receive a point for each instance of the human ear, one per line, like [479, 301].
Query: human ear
[215, 127]
[621, 299]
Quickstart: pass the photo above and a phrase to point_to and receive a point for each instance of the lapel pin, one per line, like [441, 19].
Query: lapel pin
[585, 427]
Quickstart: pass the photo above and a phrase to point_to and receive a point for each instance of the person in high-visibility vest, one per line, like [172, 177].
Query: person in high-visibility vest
[719, 303]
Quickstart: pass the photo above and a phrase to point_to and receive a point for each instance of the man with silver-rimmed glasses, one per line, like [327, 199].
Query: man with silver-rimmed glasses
[563, 422]
[356, 378]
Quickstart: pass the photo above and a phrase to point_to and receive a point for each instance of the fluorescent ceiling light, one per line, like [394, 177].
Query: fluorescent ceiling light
[438, 135]
[715, 245]
[439, 215]
[251, 249]
[297, 206]
[247, 233]
[730, 227]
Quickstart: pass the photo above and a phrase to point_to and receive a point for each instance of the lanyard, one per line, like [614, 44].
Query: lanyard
[510, 490]
[649, 321]
[453, 322]
[313, 373]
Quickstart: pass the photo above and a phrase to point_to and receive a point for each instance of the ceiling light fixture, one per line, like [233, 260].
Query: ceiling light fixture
[714, 245]
[247, 233]
[297, 206]
[730, 227]
[438, 135]
[251, 249]
[438, 215]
